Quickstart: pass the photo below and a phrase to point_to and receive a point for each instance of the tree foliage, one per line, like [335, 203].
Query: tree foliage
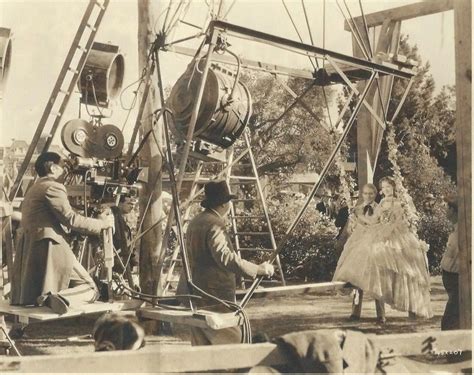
[295, 141]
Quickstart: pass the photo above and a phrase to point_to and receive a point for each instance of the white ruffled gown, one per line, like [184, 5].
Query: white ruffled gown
[387, 261]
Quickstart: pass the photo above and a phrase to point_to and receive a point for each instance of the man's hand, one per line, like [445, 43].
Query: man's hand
[107, 220]
[265, 269]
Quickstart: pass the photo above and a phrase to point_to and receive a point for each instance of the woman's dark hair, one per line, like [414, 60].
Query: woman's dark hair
[390, 181]
[45, 161]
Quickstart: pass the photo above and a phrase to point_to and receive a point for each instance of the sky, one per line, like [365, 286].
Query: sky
[43, 32]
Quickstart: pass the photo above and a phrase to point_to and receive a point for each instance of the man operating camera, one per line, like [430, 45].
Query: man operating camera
[46, 271]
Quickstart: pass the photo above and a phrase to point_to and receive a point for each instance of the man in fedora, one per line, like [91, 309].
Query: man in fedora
[214, 263]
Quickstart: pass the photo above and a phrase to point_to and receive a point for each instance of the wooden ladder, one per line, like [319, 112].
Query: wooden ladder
[245, 160]
[64, 87]
[244, 175]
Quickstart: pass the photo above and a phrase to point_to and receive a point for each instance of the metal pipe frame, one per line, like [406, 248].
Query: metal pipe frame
[305, 49]
[354, 90]
[316, 186]
[187, 146]
[174, 191]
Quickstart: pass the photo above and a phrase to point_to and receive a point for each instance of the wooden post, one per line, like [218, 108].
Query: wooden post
[150, 244]
[463, 39]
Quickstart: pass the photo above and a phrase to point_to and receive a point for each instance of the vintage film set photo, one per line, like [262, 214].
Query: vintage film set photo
[222, 186]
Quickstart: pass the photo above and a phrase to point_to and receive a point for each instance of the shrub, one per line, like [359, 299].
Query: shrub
[309, 253]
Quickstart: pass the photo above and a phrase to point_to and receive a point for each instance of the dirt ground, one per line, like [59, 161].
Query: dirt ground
[273, 316]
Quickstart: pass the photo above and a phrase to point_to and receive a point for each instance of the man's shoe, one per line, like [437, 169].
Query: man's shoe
[40, 301]
[58, 304]
[381, 320]
[354, 317]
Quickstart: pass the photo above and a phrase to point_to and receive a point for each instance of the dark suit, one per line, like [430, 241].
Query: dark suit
[214, 265]
[44, 262]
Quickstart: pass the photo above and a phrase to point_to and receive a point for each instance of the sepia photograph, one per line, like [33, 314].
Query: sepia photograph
[236, 186]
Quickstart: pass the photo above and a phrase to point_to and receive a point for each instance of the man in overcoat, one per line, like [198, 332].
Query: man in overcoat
[215, 264]
[365, 208]
[46, 271]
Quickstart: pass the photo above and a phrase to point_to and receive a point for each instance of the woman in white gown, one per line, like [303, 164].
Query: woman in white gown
[385, 259]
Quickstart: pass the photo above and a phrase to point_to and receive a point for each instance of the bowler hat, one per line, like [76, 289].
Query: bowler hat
[216, 193]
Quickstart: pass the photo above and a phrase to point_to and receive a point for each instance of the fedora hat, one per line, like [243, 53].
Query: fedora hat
[216, 193]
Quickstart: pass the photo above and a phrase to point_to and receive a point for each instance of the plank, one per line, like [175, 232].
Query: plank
[182, 358]
[200, 318]
[313, 288]
[463, 53]
[405, 12]
[45, 313]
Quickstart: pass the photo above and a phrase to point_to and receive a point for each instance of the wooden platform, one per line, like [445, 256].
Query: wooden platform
[313, 288]
[200, 318]
[27, 314]
[213, 320]
[174, 358]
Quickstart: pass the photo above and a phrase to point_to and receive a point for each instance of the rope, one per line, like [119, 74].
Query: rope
[296, 29]
[317, 63]
[366, 29]
[229, 9]
[356, 27]
[352, 30]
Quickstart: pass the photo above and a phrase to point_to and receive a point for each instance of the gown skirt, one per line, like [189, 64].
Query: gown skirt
[388, 262]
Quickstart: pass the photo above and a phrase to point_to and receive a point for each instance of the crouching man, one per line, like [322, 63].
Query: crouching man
[46, 271]
[214, 263]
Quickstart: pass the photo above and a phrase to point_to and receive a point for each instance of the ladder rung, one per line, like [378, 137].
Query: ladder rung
[72, 70]
[252, 233]
[80, 48]
[247, 217]
[64, 92]
[93, 28]
[100, 5]
[253, 249]
[242, 182]
[57, 114]
[246, 178]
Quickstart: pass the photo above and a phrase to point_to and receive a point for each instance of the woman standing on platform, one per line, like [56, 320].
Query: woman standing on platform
[386, 259]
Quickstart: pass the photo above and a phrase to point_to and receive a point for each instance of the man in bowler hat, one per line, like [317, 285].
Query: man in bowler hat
[214, 263]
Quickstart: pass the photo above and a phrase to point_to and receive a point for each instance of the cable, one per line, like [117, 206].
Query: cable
[356, 27]
[229, 9]
[352, 30]
[296, 29]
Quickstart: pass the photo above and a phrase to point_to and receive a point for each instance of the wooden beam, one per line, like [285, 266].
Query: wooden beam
[150, 196]
[308, 49]
[463, 48]
[314, 288]
[184, 358]
[355, 74]
[45, 313]
[200, 318]
[406, 12]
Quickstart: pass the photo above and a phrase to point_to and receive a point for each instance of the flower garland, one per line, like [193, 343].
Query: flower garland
[347, 186]
[411, 215]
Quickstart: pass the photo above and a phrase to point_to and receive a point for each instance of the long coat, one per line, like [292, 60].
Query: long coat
[213, 261]
[44, 260]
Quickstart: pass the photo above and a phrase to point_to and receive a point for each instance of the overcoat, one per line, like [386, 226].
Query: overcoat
[213, 261]
[44, 259]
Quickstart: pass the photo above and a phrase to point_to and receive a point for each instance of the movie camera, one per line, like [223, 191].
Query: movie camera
[97, 174]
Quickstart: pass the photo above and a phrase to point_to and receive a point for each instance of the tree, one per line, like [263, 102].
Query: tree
[296, 142]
